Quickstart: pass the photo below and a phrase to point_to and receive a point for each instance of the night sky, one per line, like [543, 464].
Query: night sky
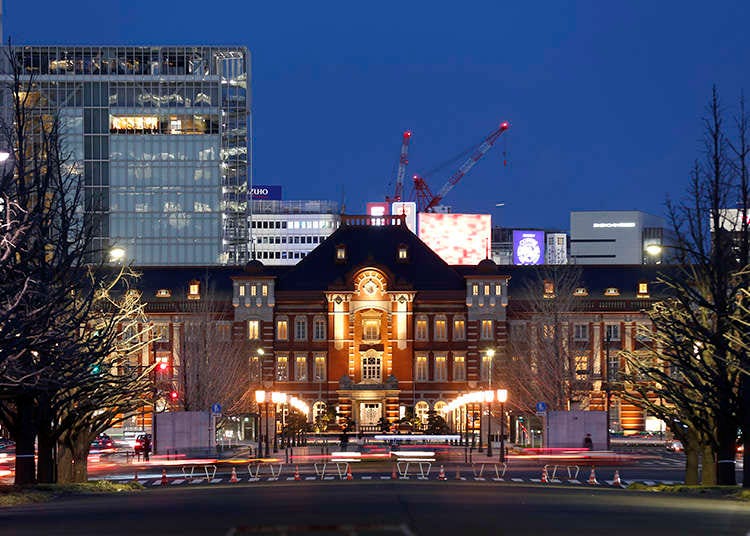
[605, 98]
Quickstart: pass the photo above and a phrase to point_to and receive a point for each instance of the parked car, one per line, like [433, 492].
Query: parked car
[140, 441]
[674, 445]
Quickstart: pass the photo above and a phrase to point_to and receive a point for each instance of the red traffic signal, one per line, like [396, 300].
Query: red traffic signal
[173, 395]
[163, 366]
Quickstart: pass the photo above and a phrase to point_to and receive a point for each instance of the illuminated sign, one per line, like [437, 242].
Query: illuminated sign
[457, 238]
[408, 209]
[614, 224]
[377, 208]
[528, 247]
[263, 191]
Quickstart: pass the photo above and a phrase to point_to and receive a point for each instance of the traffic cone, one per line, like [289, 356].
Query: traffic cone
[441, 475]
[135, 478]
[545, 478]
[296, 473]
[233, 478]
[458, 473]
[349, 473]
[592, 477]
[616, 482]
[394, 476]
[164, 479]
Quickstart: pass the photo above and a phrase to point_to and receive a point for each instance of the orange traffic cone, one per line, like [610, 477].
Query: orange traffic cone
[394, 476]
[545, 478]
[164, 479]
[135, 478]
[233, 478]
[349, 473]
[441, 475]
[296, 473]
[616, 481]
[592, 477]
[458, 473]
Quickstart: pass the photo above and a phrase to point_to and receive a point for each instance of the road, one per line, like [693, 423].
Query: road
[381, 507]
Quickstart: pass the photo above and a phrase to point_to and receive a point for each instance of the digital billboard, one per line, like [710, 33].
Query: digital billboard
[457, 238]
[528, 247]
[408, 209]
[377, 208]
[266, 191]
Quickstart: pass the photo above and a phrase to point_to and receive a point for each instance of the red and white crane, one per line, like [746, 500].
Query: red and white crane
[403, 160]
[426, 201]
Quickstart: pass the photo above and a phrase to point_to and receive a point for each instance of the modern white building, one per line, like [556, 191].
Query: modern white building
[282, 232]
[615, 237]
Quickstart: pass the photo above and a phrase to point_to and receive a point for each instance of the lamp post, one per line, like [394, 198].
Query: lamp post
[502, 396]
[489, 397]
[277, 398]
[260, 398]
[608, 376]
[491, 359]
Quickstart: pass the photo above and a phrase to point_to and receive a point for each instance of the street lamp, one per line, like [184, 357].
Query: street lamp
[116, 254]
[489, 397]
[260, 398]
[608, 377]
[502, 396]
[277, 398]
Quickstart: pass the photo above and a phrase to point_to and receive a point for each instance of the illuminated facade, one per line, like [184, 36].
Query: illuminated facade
[160, 138]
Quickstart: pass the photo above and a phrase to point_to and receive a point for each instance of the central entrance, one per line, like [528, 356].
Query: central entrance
[370, 413]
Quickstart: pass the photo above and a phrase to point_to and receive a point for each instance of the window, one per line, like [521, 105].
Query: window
[475, 289]
[403, 253]
[300, 328]
[282, 329]
[486, 330]
[282, 368]
[421, 331]
[549, 289]
[612, 291]
[486, 289]
[580, 332]
[582, 367]
[319, 328]
[642, 290]
[300, 368]
[459, 368]
[371, 368]
[163, 293]
[441, 368]
[242, 290]
[319, 370]
[459, 328]
[253, 330]
[253, 290]
[486, 369]
[612, 332]
[264, 290]
[441, 328]
[498, 289]
[194, 290]
[224, 331]
[161, 331]
[371, 329]
[548, 331]
[319, 410]
[420, 372]
[439, 407]
[581, 291]
[340, 253]
[421, 411]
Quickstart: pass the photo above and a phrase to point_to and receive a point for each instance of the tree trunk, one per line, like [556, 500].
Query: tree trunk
[709, 473]
[25, 438]
[72, 462]
[45, 470]
[745, 402]
[726, 453]
[691, 465]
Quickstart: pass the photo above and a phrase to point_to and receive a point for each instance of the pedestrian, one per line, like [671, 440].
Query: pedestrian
[588, 443]
[146, 447]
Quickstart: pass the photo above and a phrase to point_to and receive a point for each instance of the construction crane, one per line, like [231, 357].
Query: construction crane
[403, 160]
[426, 201]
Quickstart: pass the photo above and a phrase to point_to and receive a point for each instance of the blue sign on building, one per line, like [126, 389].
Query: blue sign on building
[270, 192]
[541, 407]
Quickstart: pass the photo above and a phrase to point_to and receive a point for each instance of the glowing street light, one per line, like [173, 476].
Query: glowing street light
[502, 396]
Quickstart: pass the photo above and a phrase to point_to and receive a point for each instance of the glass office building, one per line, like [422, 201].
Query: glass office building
[160, 135]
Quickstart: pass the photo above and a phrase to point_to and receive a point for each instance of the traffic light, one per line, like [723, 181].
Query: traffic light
[95, 368]
[173, 395]
[162, 366]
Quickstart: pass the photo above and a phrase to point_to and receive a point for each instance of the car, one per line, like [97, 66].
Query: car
[140, 441]
[674, 445]
[103, 443]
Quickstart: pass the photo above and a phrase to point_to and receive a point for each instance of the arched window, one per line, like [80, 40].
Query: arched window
[300, 328]
[439, 406]
[420, 333]
[421, 410]
[319, 328]
[371, 364]
[319, 410]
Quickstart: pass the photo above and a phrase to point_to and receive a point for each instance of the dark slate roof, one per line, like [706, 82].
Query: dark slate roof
[377, 246]
[595, 278]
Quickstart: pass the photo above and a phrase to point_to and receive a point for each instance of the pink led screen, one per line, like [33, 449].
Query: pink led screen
[457, 238]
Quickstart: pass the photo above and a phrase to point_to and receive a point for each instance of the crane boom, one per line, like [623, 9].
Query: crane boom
[403, 160]
[467, 165]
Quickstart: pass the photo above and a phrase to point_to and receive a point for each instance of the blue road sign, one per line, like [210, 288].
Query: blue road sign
[216, 408]
[541, 407]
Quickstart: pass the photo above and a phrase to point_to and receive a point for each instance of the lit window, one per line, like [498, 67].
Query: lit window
[282, 368]
[194, 290]
[253, 330]
[341, 253]
[319, 329]
[282, 329]
[643, 290]
[371, 330]
[264, 290]
[548, 331]
[475, 289]
[582, 367]
[420, 374]
[486, 330]
[549, 289]
[441, 329]
[581, 291]
[459, 329]
[371, 368]
[320, 368]
[403, 253]
[459, 368]
[300, 328]
[422, 411]
[163, 293]
[242, 290]
[486, 290]
[612, 291]
[253, 290]
[300, 368]
[498, 289]
[421, 331]
[441, 368]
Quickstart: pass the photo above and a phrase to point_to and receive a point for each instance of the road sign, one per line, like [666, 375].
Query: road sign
[541, 407]
[216, 408]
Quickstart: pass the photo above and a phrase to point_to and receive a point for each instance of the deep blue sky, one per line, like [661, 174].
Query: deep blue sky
[605, 98]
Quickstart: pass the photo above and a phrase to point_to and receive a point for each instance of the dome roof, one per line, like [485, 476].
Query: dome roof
[254, 267]
[487, 266]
